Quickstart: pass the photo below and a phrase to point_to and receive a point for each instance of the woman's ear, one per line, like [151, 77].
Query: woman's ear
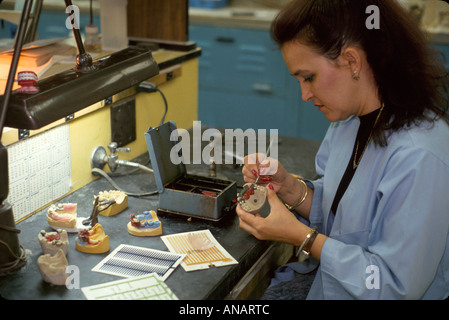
[352, 57]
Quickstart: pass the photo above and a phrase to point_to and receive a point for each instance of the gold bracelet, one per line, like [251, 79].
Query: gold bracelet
[300, 199]
[303, 252]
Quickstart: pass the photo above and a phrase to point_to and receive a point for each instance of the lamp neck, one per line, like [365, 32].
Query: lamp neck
[83, 60]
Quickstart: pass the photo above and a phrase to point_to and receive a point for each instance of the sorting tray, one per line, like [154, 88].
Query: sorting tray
[182, 193]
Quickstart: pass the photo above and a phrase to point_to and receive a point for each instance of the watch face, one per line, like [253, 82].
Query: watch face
[252, 197]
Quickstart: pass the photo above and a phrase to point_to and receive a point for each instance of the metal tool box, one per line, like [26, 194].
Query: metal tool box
[182, 193]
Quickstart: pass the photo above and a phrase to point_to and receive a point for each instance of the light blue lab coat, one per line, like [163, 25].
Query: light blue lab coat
[389, 237]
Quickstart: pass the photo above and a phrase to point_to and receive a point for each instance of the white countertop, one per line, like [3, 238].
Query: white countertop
[234, 17]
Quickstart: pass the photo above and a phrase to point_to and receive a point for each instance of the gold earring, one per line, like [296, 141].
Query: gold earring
[355, 76]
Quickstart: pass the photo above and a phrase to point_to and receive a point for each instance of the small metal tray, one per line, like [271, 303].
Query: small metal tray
[182, 193]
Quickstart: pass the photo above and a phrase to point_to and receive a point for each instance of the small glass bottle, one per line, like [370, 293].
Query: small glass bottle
[92, 42]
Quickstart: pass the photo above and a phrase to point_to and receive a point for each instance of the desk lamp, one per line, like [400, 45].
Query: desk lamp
[59, 96]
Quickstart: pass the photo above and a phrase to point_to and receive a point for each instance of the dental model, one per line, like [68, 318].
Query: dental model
[120, 202]
[146, 224]
[53, 268]
[52, 242]
[62, 215]
[92, 240]
[98, 207]
[252, 197]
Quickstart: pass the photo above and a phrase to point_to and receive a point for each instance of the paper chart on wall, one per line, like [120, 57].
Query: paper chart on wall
[198, 259]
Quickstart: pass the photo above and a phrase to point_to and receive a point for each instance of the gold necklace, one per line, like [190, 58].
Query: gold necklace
[355, 163]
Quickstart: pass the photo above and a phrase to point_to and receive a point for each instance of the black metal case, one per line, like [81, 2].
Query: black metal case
[180, 193]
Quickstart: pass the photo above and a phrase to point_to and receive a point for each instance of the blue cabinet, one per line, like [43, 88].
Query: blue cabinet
[51, 25]
[444, 49]
[244, 83]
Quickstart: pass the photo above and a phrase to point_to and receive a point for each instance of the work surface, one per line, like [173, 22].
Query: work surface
[296, 155]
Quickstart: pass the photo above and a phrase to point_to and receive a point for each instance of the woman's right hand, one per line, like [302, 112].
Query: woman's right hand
[270, 170]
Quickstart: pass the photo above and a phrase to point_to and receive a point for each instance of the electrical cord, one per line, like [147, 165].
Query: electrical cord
[132, 171]
[10, 266]
[149, 87]
[135, 165]
[107, 177]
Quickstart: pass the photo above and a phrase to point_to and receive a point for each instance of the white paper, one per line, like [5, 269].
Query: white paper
[148, 287]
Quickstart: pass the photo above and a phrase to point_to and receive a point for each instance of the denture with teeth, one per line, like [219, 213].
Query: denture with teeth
[51, 242]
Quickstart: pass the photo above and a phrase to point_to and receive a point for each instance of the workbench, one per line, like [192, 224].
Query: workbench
[245, 280]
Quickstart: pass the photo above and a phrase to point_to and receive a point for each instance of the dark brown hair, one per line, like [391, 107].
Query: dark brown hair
[409, 73]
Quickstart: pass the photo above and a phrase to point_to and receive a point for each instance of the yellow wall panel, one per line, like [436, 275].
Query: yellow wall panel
[94, 129]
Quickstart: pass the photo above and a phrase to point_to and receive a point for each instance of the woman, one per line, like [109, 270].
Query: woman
[381, 205]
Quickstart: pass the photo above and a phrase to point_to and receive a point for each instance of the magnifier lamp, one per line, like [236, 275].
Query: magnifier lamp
[59, 96]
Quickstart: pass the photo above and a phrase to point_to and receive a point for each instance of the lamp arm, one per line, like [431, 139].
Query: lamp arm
[15, 257]
[18, 44]
[83, 60]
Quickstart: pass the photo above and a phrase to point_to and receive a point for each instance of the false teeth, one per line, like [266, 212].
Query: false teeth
[252, 197]
[120, 198]
[146, 224]
[93, 240]
[52, 242]
[62, 215]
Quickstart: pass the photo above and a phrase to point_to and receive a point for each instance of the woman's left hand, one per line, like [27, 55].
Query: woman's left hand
[279, 225]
